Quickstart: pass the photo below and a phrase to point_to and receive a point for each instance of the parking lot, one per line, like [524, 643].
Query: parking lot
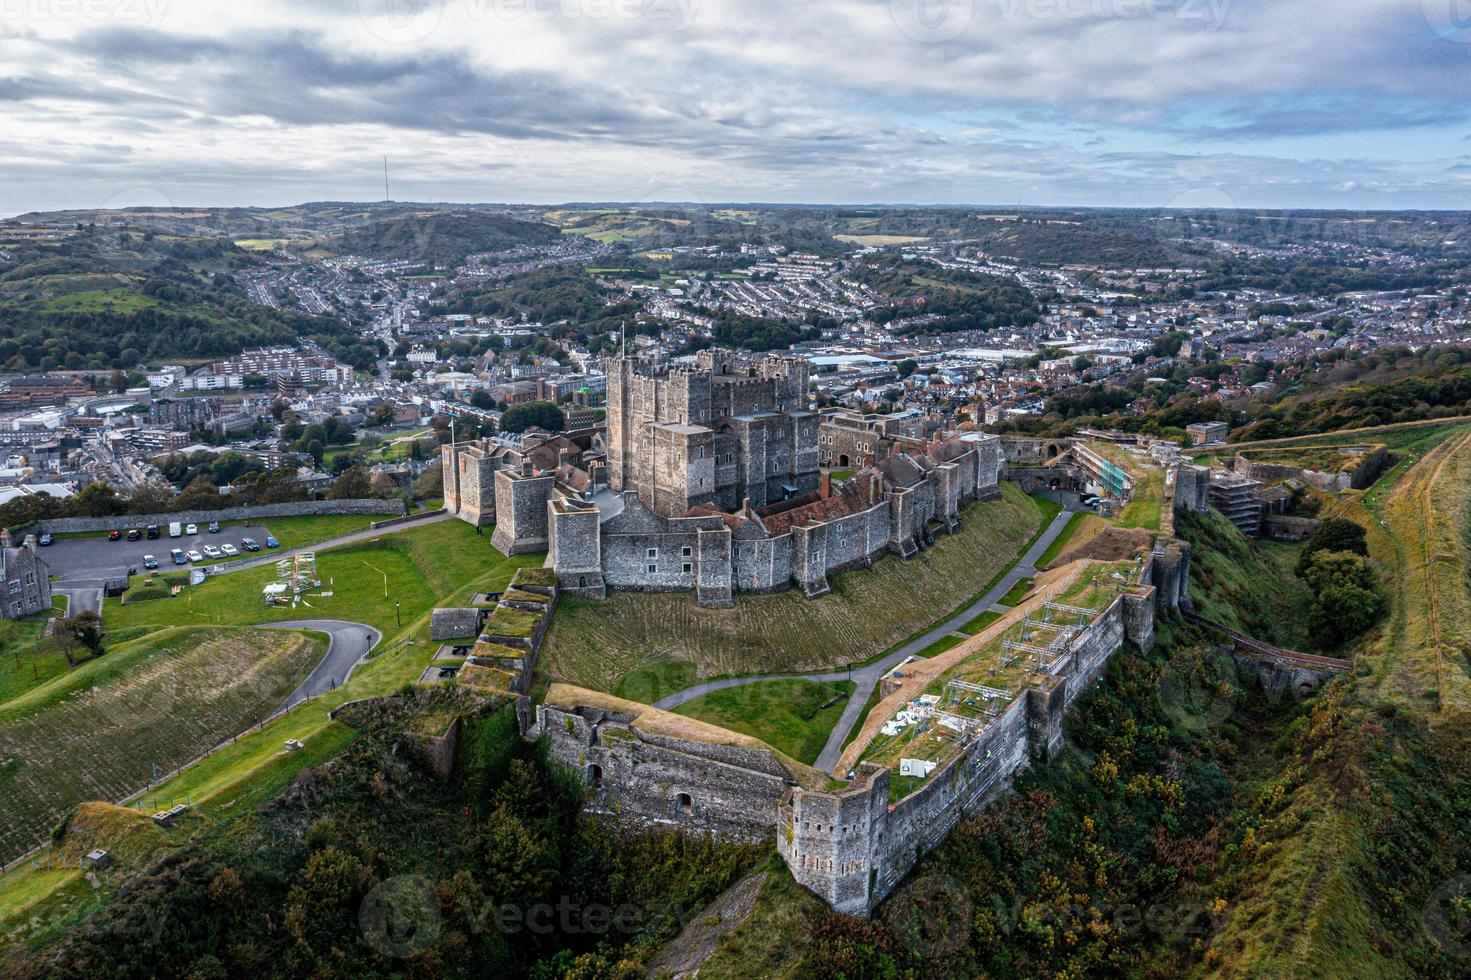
[95, 557]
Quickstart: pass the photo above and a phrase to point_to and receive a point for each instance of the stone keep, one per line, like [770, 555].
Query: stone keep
[729, 430]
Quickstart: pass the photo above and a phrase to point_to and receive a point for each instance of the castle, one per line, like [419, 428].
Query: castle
[707, 480]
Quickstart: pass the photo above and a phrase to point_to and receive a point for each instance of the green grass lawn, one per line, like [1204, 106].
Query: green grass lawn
[792, 716]
[1060, 543]
[26, 662]
[412, 568]
[980, 622]
[1017, 592]
[944, 643]
[596, 643]
[449, 563]
[95, 732]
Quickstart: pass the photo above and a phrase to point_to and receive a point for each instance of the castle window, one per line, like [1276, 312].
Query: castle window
[653, 553]
[653, 569]
[688, 568]
[594, 773]
[684, 805]
[686, 551]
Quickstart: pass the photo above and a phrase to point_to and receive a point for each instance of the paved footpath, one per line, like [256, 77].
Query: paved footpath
[866, 678]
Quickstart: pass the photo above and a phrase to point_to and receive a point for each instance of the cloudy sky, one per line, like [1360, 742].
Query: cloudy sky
[1311, 103]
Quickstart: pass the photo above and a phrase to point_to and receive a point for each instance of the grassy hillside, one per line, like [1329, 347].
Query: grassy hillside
[1249, 585]
[109, 299]
[369, 865]
[659, 642]
[96, 732]
[436, 237]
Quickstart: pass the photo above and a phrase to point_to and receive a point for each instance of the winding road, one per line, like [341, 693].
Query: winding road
[866, 678]
[348, 645]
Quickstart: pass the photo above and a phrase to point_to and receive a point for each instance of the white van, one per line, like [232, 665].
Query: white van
[176, 529]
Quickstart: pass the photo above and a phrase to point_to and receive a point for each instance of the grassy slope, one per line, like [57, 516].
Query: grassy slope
[1337, 840]
[25, 664]
[1247, 585]
[597, 644]
[95, 732]
[793, 716]
[447, 556]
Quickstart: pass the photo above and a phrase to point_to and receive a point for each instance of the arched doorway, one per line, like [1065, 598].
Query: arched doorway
[684, 805]
[843, 463]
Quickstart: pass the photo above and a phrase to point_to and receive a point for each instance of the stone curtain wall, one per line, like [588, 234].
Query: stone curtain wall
[850, 847]
[731, 791]
[301, 508]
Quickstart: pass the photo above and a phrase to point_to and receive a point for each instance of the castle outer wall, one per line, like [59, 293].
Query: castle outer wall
[851, 847]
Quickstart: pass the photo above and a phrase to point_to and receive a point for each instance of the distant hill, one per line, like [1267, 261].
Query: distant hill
[104, 299]
[443, 238]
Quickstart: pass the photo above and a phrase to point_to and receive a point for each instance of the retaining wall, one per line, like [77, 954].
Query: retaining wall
[298, 508]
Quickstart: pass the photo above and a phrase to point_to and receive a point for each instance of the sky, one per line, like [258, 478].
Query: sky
[1173, 103]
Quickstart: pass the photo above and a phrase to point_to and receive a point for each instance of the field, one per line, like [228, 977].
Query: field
[665, 640]
[1422, 652]
[96, 732]
[792, 716]
[445, 563]
[25, 664]
[409, 570]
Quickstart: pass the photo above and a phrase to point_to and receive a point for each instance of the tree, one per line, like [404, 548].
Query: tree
[86, 629]
[1333, 534]
[1346, 595]
[907, 367]
[353, 484]
[544, 415]
[97, 500]
[482, 399]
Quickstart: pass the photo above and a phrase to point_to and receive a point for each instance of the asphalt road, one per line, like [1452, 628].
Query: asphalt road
[349, 644]
[85, 559]
[866, 678]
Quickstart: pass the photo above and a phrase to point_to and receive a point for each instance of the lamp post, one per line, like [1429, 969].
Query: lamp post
[396, 619]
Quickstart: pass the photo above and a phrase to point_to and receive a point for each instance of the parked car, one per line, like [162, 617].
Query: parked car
[47, 540]
[149, 561]
[178, 556]
[271, 542]
[191, 529]
[114, 535]
[230, 550]
[134, 534]
[213, 552]
[195, 556]
[153, 532]
[214, 527]
[249, 544]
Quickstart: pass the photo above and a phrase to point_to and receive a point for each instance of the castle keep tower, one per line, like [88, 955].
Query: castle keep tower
[729, 430]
